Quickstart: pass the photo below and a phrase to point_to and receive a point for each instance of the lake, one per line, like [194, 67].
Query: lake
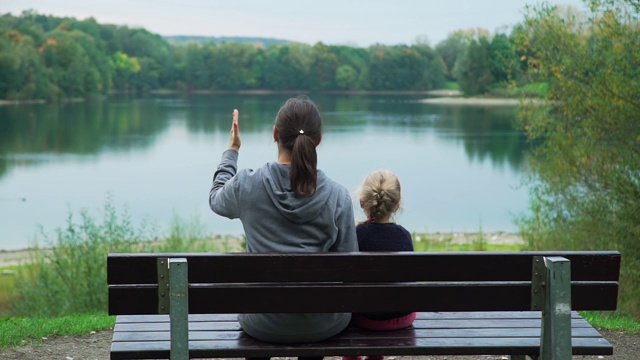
[460, 167]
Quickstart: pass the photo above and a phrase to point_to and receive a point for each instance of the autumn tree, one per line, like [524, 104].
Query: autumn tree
[586, 163]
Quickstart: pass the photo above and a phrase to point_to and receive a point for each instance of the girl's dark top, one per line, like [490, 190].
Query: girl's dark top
[383, 237]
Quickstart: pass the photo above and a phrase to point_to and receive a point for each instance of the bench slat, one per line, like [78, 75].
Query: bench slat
[369, 346]
[431, 324]
[420, 316]
[354, 333]
[506, 296]
[362, 266]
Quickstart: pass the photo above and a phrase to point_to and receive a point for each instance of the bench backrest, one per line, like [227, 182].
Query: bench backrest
[362, 282]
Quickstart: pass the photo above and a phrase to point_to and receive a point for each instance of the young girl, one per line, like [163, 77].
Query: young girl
[380, 197]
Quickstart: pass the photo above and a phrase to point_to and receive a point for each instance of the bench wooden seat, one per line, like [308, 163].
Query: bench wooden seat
[476, 333]
[469, 303]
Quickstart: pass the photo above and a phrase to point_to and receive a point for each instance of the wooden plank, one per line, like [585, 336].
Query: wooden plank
[235, 298]
[248, 347]
[356, 333]
[362, 266]
[197, 326]
[420, 316]
[418, 324]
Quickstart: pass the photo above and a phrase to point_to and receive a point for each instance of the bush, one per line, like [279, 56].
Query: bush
[68, 274]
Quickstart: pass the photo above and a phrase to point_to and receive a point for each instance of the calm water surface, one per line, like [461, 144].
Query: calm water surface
[460, 167]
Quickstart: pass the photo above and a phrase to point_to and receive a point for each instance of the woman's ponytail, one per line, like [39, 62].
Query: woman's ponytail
[304, 161]
[299, 126]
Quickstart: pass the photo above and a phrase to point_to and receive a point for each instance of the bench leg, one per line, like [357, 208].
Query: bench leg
[556, 314]
[179, 305]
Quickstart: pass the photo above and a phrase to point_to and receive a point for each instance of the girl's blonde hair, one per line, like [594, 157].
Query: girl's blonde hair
[380, 195]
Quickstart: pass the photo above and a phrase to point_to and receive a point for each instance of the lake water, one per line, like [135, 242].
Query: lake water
[460, 166]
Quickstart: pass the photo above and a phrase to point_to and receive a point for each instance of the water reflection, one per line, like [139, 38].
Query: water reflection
[32, 135]
[36, 134]
[156, 153]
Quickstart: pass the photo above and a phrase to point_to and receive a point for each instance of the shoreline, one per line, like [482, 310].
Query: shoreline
[20, 256]
[7, 102]
[450, 100]
[439, 96]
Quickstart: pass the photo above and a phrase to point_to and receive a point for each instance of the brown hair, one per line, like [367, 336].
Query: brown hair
[299, 126]
[380, 195]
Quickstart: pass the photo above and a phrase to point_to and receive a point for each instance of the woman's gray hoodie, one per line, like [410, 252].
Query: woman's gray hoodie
[275, 220]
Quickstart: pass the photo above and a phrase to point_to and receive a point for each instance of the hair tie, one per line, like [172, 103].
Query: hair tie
[301, 132]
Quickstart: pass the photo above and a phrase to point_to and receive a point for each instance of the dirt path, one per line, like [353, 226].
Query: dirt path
[95, 346]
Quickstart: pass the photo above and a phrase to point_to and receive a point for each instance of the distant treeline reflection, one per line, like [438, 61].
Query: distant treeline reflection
[36, 134]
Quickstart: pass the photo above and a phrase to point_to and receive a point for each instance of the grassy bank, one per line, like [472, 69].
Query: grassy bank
[61, 290]
[16, 331]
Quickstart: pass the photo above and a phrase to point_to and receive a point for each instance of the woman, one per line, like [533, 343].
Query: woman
[287, 206]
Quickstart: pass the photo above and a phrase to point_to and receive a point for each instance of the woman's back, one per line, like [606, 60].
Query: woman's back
[276, 220]
[287, 206]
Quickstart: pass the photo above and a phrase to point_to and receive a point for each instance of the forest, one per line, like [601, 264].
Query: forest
[47, 57]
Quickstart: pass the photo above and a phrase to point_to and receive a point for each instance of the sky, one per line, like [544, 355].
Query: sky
[336, 22]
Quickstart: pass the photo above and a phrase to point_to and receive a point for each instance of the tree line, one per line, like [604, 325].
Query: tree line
[47, 57]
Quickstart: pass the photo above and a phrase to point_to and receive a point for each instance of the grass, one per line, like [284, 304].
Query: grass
[466, 242]
[16, 331]
[539, 89]
[451, 85]
[612, 321]
[7, 280]
[529, 90]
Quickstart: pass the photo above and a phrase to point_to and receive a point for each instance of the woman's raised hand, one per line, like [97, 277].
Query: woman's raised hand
[235, 142]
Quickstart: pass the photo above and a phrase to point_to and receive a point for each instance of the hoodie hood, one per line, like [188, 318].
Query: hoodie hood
[297, 209]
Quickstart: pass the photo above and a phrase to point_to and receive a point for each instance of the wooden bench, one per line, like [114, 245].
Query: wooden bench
[469, 303]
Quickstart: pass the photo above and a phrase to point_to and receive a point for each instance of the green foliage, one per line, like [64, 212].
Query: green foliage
[49, 57]
[586, 165]
[67, 275]
[503, 61]
[473, 68]
[447, 242]
[539, 89]
[450, 49]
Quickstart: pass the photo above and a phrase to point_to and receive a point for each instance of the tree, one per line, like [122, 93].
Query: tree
[404, 68]
[234, 66]
[473, 68]
[586, 163]
[452, 48]
[288, 67]
[346, 78]
[323, 68]
[503, 61]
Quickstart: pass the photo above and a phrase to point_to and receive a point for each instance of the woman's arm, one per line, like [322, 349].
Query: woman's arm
[223, 196]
